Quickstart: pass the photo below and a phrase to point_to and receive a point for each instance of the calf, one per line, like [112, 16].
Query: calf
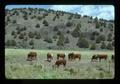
[49, 57]
[102, 56]
[72, 56]
[60, 62]
[31, 56]
[62, 55]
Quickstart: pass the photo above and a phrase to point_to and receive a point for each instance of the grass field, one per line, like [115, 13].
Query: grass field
[16, 66]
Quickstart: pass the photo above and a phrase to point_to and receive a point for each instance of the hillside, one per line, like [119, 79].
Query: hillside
[48, 29]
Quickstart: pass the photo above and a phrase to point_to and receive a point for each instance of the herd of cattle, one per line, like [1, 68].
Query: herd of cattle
[71, 56]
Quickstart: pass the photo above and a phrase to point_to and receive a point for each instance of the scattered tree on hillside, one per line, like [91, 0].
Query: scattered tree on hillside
[98, 40]
[24, 28]
[59, 32]
[103, 45]
[110, 25]
[104, 24]
[95, 33]
[45, 23]
[93, 47]
[69, 24]
[55, 37]
[61, 40]
[31, 34]
[68, 31]
[54, 18]
[113, 43]
[38, 36]
[39, 18]
[10, 43]
[31, 42]
[15, 36]
[76, 32]
[82, 43]
[55, 28]
[95, 20]
[70, 17]
[13, 33]
[101, 38]
[66, 40]
[109, 46]
[101, 30]
[25, 17]
[109, 37]
[37, 26]
[97, 25]
[21, 36]
[92, 37]
[14, 21]
[8, 19]
[91, 17]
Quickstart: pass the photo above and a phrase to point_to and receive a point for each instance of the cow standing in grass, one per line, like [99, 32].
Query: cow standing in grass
[31, 56]
[102, 56]
[72, 56]
[49, 57]
[60, 62]
[61, 55]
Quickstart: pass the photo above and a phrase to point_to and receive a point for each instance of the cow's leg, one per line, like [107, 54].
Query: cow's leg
[64, 64]
[57, 65]
[57, 57]
[105, 58]
[99, 59]
[79, 58]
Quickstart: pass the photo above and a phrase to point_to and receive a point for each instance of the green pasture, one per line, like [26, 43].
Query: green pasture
[16, 66]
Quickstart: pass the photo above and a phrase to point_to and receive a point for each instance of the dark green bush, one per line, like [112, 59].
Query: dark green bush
[37, 26]
[103, 45]
[82, 43]
[61, 40]
[69, 24]
[45, 23]
[31, 35]
[93, 47]
[109, 46]
[10, 43]
[66, 40]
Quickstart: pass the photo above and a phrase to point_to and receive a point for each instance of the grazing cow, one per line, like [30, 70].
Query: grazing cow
[60, 62]
[94, 57]
[72, 56]
[102, 56]
[62, 55]
[112, 57]
[49, 57]
[32, 56]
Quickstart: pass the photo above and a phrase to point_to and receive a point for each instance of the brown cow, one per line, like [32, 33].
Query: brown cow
[32, 56]
[102, 56]
[62, 55]
[49, 57]
[72, 56]
[60, 62]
